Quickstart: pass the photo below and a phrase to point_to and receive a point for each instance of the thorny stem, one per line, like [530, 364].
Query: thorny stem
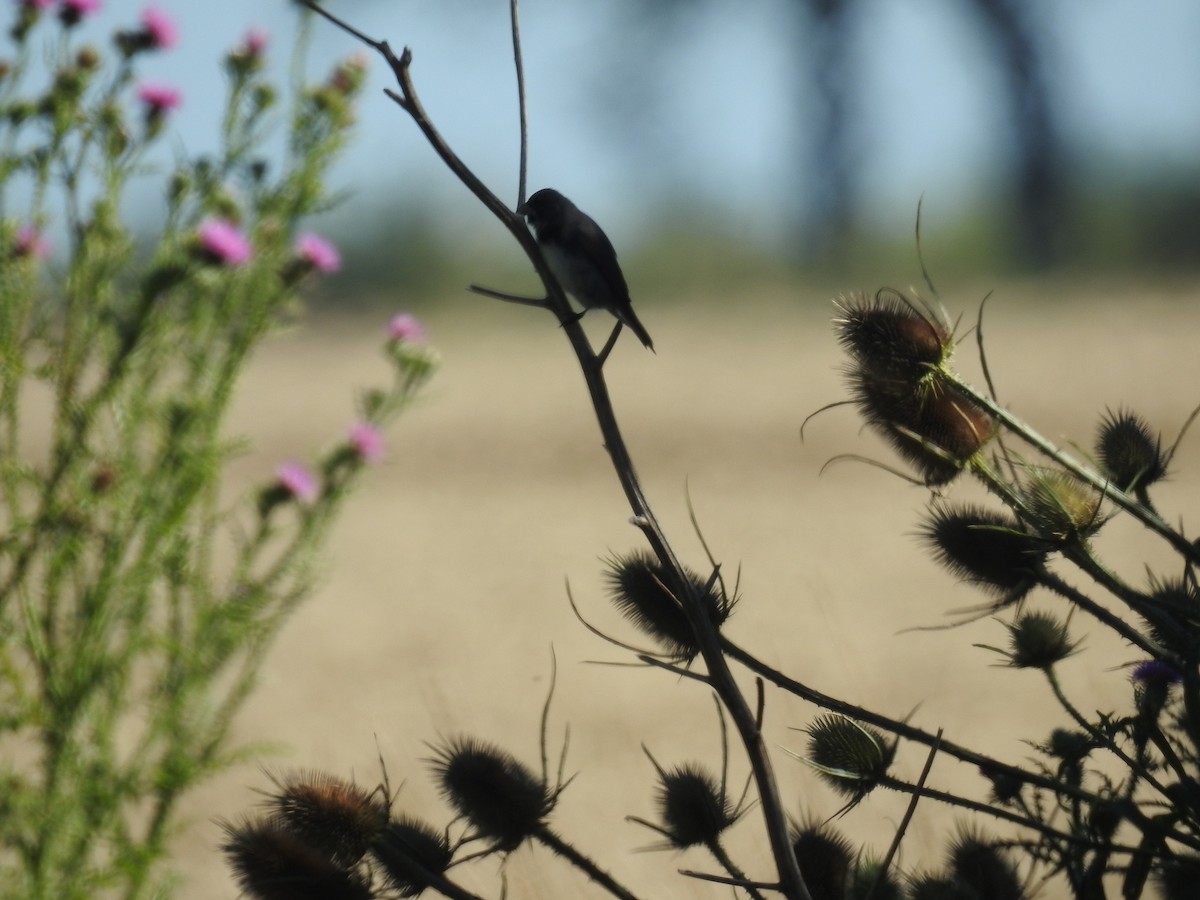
[1130, 504]
[910, 732]
[583, 863]
[791, 882]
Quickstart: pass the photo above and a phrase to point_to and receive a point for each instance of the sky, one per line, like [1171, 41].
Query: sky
[929, 121]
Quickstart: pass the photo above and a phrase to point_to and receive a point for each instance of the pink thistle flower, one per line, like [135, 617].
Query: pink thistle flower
[160, 29]
[318, 253]
[297, 480]
[406, 327]
[71, 12]
[223, 243]
[254, 44]
[159, 98]
[30, 243]
[367, 441]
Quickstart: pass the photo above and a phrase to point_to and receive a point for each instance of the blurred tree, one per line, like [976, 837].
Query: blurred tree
[1039, 216]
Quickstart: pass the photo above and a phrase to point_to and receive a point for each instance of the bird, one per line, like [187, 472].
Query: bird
[581, 257]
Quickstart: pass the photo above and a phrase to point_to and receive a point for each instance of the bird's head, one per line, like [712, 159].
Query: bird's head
[546, 205]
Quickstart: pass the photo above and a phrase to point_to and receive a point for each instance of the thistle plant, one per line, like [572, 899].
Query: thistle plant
[137, 592]
[1106, 803]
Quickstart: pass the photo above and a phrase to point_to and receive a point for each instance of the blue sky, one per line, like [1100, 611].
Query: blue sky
[931, 124]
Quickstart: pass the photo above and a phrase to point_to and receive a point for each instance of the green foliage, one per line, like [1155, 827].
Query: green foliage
[137, 599]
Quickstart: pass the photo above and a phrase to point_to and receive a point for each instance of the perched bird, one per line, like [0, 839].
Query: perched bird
[581, 257]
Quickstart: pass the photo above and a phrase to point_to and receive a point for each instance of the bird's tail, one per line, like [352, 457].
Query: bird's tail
[630, 318]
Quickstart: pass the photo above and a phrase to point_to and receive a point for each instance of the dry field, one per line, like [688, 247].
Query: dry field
[445, 586]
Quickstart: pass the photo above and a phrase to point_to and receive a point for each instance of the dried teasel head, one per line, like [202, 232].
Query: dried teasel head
[890, 337]
[981, 865]
[825, 856]
[1129, 453]
[504, 801]
[271, 862]
[646, 593]
[334, 816]
[986, 548]
[692, 806]
[409, 852]
[932, 424]
[1038, 640]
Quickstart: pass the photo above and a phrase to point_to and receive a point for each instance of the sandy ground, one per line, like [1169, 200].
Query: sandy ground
[445, 584]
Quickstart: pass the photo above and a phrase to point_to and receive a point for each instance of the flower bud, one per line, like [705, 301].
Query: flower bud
[1062, 508]
[982, 866]
[825, 857]
[691, 806]
[890, 337]
[986, 548]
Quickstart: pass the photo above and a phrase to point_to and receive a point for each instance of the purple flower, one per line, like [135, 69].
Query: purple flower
[405, 327]
[1154, 672]
[159, 98]
[319, 253]
[30, 243]
[159, 28]
[297, 480]
[367, 441]
[224, 244]
[254, 44]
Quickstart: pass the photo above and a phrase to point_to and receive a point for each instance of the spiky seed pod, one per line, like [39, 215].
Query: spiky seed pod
[853, 758]
[1038, 640]
[1005, 786]
[1070, 746]
[645, 592]
[933, 887]
[986, 548]
[932, 424]
[1175, 618]
[982, 866]
[1129, 453]
[889, 337]
[691, 806]
[271, 862]
[1178, 877]
[501, 798]
[409, 851]
[865, 882]
[1062, 508]
[824, 856]
[333, 816]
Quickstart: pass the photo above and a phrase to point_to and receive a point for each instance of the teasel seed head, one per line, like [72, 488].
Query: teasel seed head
[851, 757]
[1038, 640]
[933, 887]
[645, 592]
[271, 862]
[1062, 509]
[870, 881]
[932, 424]
[335, 817]
[986, 548]
[692, 808]
[890, 337]
[1128, 452]
[503, 800]
[825, 856]
[982, 866]
[408, 852]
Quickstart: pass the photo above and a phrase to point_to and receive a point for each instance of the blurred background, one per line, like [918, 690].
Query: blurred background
[756, 156]
[720, 139]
